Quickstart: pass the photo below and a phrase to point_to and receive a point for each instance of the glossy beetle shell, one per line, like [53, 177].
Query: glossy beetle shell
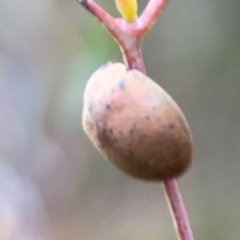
[135, 124]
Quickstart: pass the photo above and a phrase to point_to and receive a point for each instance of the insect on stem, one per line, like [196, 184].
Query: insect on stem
[129, 36]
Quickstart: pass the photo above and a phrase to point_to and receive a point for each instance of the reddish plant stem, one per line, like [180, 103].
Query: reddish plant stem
[151, 14]
[107, 20]
[132, 54]
[129, 38]
[178, 211]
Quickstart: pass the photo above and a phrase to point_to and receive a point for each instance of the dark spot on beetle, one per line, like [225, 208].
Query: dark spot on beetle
[176, 154]
[90, 106]
[108, 106]
[121, 84]
[147, 117]
[110, 130]
[132, 129]
[103, 137]
[131, 153]
[171, 126]
[160, 153]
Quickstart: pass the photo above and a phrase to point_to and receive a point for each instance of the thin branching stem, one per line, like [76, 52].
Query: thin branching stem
[150, 15]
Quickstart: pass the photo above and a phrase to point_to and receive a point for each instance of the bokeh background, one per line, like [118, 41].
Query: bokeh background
[53, 183]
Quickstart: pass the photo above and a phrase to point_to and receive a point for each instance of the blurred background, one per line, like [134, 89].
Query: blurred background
[53, 183]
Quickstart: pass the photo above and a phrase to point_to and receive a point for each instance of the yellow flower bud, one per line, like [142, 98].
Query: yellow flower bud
[128, 9]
